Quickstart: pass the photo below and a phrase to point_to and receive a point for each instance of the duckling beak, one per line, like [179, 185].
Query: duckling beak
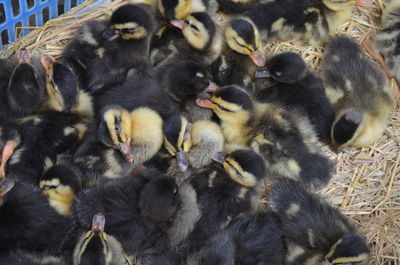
[125, 149]
[110, 35]
[98, 222]
[7, 152]
[262, 72]
[177, 23]
[364, 2]
[211, 87]
[24, 56]
[46, 61]
[258, 58]
[204, 103]
[183, 163]
[219, 157]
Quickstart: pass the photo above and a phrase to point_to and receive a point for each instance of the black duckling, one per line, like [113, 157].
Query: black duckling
[359, 93]
[225, 189]
[387, 41]
[60, 184]
[102, 52]
[298, 90]
[180, 9]
[45, 138]
[311, 21]
[284, 139]
[98, 247]
[247, 240]
[25, 219]
[121, 141]
[134, 216]
[313, 229]
[20, 256]
[195, 38]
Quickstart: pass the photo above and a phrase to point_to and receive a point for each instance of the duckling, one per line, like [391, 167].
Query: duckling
[298, 90]
[359, 93]
[25, 218]
[236, 7]
[193, 145]
[19, 256]
[282, 138]
[225, 189]
[314, 230]
[387, 41]
[60, 183]
[63, 91]
[122, 140]
[95, 52]
[248, 240]
[310, 21]
[195, 38]
[98, 247]
[132, 206]
[180, 9]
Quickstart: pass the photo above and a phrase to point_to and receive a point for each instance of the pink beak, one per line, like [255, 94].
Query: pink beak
[258, 58]
[364, 2]
[98, 222]
[177, 23]
[212, 87]
[125, 149]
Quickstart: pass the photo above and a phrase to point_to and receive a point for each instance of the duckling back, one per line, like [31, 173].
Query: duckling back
[359, 93]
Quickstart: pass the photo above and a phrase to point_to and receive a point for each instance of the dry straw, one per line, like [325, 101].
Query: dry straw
[365, 183]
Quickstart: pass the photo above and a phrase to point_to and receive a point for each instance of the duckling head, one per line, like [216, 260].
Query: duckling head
[6, 184]
[346, 126]
[286, 67]
[61, 85]
[115, 129]
[349, 250]
[198, 29]
[130, 22]
[60, 184]
[97, 247]
[25, 88]
[231, 104]
[245, 167]
[174, 9]
[243, 36]
[177, 140]
[185, 79]
[159, 199]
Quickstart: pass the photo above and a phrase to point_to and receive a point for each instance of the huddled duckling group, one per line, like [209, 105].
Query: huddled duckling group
[151, 140]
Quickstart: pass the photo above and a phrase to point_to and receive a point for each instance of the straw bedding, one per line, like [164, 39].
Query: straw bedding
[365, 183]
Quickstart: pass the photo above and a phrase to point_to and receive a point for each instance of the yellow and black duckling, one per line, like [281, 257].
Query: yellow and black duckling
[296, 89]
[98, 247]
[359, 93]
[225, 189]
[63, 91]
[309, 21]
[60, 184]
[180, 9]
[25, 218]
[102, 52]
[248, 240]
[142, 212]
[387, 41]
[121, 141]
[195, 38]
[313, 229]
[284, 140]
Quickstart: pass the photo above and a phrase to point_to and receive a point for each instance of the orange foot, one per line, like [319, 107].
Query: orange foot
[8, 150]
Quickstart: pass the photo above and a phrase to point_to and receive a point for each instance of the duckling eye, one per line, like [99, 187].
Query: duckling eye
[200, 74]
[186, 22]
[117, 129]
